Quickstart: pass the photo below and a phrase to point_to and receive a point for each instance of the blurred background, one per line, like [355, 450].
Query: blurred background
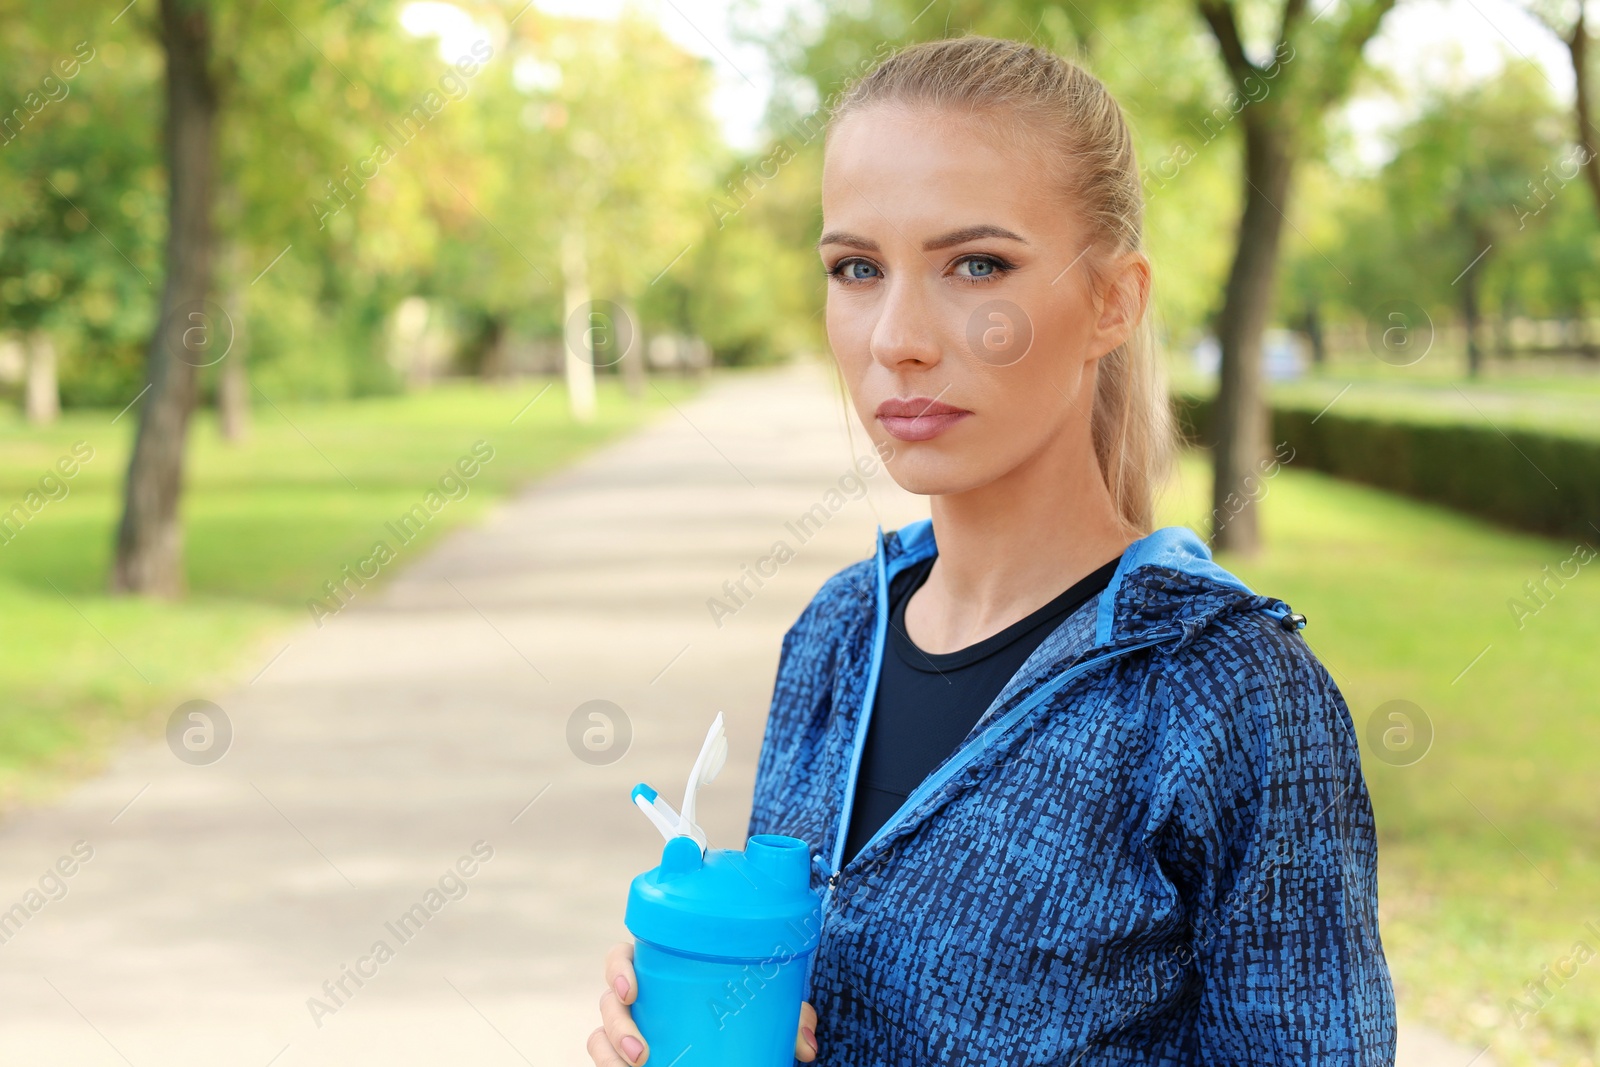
[295, 296]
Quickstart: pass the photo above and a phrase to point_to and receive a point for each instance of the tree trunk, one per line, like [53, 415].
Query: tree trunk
[1580, 341]
[149, 556]
[1502, 337]
[1319, 343]
[233, 378]
[1469, 318]
[42, 396]
[408, 340]
[1471, 310]
[579, 346]
[1578, 45]
[633, 367]
[233, 393]
[495, 365]
[1241, 423]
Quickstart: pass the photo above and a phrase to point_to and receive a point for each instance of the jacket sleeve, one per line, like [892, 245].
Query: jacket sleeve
[1269, 836]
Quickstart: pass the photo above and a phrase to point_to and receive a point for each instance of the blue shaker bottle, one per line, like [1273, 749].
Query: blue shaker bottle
[722, 943]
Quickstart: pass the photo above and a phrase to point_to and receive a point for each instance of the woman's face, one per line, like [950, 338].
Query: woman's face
[958, 276]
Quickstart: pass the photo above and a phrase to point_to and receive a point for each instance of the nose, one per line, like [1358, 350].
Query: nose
[907, 326]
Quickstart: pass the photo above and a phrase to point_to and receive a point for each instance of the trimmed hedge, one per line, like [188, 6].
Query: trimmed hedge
[1546, 483]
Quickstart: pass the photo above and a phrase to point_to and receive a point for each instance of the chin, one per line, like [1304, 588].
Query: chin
[924, 472]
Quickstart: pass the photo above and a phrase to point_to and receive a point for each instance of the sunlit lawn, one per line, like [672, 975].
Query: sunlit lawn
[1543, 395]
[267, 523]
[1490, 844]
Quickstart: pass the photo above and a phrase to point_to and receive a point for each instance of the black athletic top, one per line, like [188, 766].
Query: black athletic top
[927, 703]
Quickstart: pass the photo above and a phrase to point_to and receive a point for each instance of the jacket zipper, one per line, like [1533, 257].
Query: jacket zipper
[960, 759]
[879, 635]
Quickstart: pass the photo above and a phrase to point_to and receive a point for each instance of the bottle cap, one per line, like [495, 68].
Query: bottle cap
[756, 905]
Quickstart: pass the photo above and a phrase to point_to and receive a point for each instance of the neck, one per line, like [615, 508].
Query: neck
[1010, 547]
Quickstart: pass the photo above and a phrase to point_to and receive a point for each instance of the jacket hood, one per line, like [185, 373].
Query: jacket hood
[1166, 589]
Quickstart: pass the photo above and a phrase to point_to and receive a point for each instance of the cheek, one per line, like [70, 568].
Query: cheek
[1036, 394]
[849, 336]
[1059, 342]
[1023, 404]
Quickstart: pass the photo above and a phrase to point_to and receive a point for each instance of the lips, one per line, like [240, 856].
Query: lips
[918, 418]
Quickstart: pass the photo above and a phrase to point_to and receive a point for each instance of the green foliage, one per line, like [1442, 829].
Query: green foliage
[1482, 165]
[1465, 165]
[754, 286]
[588, 130]
[1526, 478]
[82, 208]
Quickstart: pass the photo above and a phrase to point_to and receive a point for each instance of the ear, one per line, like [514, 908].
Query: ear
[1122, 301]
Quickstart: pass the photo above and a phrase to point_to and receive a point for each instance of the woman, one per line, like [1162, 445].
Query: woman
[1078, 795]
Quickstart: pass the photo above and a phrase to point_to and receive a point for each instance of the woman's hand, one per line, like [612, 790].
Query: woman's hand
[618, 1043]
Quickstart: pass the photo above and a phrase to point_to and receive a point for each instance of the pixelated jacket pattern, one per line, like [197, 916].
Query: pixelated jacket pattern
[1155, 847]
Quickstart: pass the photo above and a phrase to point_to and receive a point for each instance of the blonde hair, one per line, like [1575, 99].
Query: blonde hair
[1065, 113]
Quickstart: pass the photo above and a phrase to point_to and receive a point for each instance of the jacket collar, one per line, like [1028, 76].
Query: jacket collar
[1166, 588]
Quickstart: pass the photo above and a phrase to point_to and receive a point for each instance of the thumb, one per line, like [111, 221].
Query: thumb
[805, 1042]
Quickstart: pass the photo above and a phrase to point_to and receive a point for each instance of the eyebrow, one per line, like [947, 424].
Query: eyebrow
[954, 237]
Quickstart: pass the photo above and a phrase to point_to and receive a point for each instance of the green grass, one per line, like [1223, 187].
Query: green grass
[1554, 397]
[266, 524]
[1567, 409]
[1490, 844]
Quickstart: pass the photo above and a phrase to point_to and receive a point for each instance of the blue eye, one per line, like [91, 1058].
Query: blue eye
[845, 271]
[984, 268]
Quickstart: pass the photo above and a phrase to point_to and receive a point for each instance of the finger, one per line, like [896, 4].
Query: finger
[619, 971]
[620, 1031]
[600, 1050]
[805, 1042]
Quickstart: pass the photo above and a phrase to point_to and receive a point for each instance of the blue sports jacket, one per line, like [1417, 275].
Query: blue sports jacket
[1155, 847]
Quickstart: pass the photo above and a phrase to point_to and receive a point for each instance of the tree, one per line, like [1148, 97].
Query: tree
[1458, 184]
[1569, 22]
[245, 110]
[79, 200]
[1310, 68]
[149, 540]
[591, 157]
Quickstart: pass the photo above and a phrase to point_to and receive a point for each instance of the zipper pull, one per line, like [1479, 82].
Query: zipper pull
[832, 877]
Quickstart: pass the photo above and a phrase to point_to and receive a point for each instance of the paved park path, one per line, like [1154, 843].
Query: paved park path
[413, 756]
